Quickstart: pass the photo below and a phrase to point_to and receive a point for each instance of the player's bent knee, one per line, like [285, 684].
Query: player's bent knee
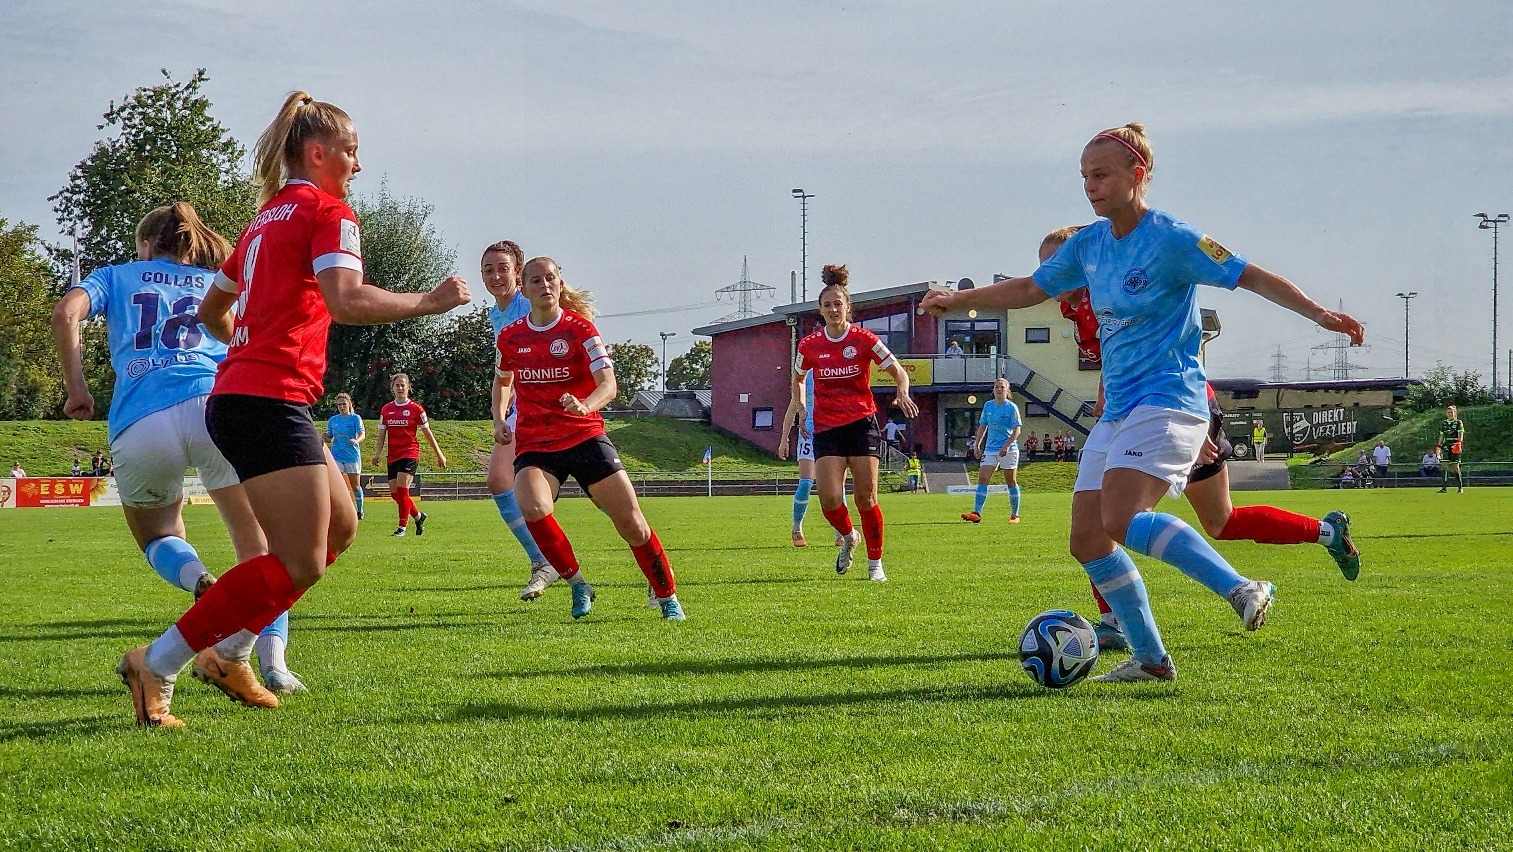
[499, 483]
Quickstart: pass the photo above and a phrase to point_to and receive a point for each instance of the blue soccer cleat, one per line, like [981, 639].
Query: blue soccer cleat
[672, 610]
[1110, 638]
[1341, 547]
[583, 599]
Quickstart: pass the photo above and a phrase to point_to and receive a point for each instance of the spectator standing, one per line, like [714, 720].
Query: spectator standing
[914, 472]
[1381, 456]
[894, 432]
[97, 464]
[955, 350]
[17, 472]
[1258, 440]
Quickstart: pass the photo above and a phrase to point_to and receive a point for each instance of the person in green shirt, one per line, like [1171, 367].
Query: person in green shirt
[1452, 438]
[914, 472]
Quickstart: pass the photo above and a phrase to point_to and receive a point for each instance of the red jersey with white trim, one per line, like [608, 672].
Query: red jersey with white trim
[401, 423]
[549, 362]
[842, 374]
[278, 349]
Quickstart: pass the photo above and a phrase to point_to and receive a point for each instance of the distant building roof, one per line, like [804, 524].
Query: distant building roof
[782, 312]
[647, 400]
[1324, 384]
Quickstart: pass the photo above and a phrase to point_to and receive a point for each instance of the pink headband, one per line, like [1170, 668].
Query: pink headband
[1131, 148]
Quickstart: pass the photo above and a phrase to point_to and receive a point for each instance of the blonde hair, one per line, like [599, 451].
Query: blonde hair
[176, 231]
[344, 395]
[837, 276]
[580, 302]
[1061, 235]
[1131, 139]
[281, 148]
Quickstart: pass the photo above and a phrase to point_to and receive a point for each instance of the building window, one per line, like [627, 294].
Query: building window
[892, 330]
[1037, 335]
[1035, 409]
[761, 418]
[975, 337]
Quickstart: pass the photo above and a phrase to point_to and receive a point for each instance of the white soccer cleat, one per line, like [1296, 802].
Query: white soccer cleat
[282, 682]
[848, 551]
[1251, 601]
[875, 571]
[1132, 671]
[542, 576]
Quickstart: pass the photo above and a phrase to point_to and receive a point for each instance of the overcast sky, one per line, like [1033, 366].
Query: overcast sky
[650, 146]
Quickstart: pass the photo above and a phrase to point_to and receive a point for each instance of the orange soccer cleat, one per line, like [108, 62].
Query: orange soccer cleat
[150, 695]
[971, 516]
[798, 539]
[233, 677]
[1013, 519]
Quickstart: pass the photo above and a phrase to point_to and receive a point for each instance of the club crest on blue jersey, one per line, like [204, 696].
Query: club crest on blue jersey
[1135, 281]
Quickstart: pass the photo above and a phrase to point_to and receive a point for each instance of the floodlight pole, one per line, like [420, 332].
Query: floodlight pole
[1406, 297]
[1492, 223]
[803, 198]
[664, 335]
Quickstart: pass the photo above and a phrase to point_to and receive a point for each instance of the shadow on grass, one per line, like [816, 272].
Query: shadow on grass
[105, 628]
[51, 729]
[505, 711]
[54, 692]
[611, 584]
[706, 667]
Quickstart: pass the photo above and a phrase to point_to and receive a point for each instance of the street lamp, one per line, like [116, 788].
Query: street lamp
[664, 335]
[1491, 223]
[1405, 297]
[803, 198]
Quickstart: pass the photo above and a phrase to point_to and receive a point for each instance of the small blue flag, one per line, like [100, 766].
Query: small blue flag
[708, 455]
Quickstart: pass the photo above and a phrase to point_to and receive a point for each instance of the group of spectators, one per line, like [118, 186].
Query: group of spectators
[1061, 447]
[1370, 469]
[99, 466]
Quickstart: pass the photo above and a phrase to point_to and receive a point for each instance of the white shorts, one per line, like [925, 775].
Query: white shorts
[806, 447]
[1162, 442]
[350, 468]
[1005, 459]
[153, 453]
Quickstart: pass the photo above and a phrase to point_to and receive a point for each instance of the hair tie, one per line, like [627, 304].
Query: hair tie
[306, 100]
[1138, 157]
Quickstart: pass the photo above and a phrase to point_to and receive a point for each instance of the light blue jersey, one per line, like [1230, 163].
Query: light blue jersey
[1001, 420]
[343, 429]
[161, 354]
[517, 308]
[1144, 289]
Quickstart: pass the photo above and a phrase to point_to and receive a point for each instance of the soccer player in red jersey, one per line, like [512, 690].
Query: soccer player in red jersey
[841, 356]
[398, 423]
[297, 267]
[556, 365]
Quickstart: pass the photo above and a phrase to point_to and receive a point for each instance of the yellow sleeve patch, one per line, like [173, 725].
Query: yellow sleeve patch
[1211, 248]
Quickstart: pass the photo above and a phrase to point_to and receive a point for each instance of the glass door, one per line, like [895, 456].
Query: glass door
[961, 429]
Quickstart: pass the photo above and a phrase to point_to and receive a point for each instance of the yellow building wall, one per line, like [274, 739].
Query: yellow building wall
[1056, 360]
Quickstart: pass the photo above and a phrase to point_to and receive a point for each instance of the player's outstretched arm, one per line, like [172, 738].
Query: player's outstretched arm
[70, 311]
[351, 302]
[1006, 295]
[1275, 288]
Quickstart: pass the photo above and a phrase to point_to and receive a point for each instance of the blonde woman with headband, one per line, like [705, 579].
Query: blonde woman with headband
[296, 269]
[1142, 268]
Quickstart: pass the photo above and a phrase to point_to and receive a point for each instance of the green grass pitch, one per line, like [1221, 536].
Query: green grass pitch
[794, 709]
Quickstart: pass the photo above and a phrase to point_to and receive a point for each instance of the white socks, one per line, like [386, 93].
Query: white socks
[270, 653]
[169, 654]
[1326, 533]
[238, 646]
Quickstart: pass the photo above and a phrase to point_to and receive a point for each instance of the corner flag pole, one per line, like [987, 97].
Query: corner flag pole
[709, 471]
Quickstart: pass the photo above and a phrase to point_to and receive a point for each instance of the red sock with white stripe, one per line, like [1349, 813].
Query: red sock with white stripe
[840, 518]
[653, 561]
[872, 530]
[1269, 525]
[554, 546]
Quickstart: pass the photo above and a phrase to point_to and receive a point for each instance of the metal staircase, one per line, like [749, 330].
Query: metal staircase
[1061, 403]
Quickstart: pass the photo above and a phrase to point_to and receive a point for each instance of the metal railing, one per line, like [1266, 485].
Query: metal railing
[1481, 474]
[985, 369]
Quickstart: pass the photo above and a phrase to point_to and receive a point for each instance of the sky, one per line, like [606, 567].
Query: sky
[650, 146]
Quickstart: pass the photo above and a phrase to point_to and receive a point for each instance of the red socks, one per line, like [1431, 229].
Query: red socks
[653, 561]
[556, 548]
[840, 518]
[1103, 607]
[249, 596]
[405, 504]
[872, 531]
[1270, 525]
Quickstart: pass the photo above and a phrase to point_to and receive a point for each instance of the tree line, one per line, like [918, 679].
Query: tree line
[163, 145]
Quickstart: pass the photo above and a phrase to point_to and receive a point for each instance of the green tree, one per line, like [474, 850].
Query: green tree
[166, 147]
[1442, 386]
[636, 369]
[690, 371]
[458, 377]
[402, 252]
[30, 384]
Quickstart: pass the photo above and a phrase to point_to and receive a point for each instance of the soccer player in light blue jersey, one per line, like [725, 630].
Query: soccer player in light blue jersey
[501, 267]
[345, 434]
[1142, 268]
[165, 365]
[997, 446]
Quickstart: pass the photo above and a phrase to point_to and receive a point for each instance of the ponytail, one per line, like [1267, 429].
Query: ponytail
[837, 276]
[580, 302]
[282, 145]
[176, 231]
[1135, 144]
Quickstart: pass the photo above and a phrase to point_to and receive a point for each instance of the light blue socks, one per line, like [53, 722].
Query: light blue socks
[1120, 584]
[175, 561]
[357, 495]
[1014, 500]
[801, 502]
[509, 509]
[1167, 538]
[980, 499]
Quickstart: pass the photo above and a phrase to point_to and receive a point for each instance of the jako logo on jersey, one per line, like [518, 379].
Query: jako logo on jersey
[523, 350]
[559, 348]
[1135, 281]
[837, 372]
[1136, 453]
[273, 214]
[849, 352]
[543, 374]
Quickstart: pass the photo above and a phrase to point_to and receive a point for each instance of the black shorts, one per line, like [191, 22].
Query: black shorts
[857, 438]
[399, 466]
[588, 462]
[1226, 451]
[258, 434]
